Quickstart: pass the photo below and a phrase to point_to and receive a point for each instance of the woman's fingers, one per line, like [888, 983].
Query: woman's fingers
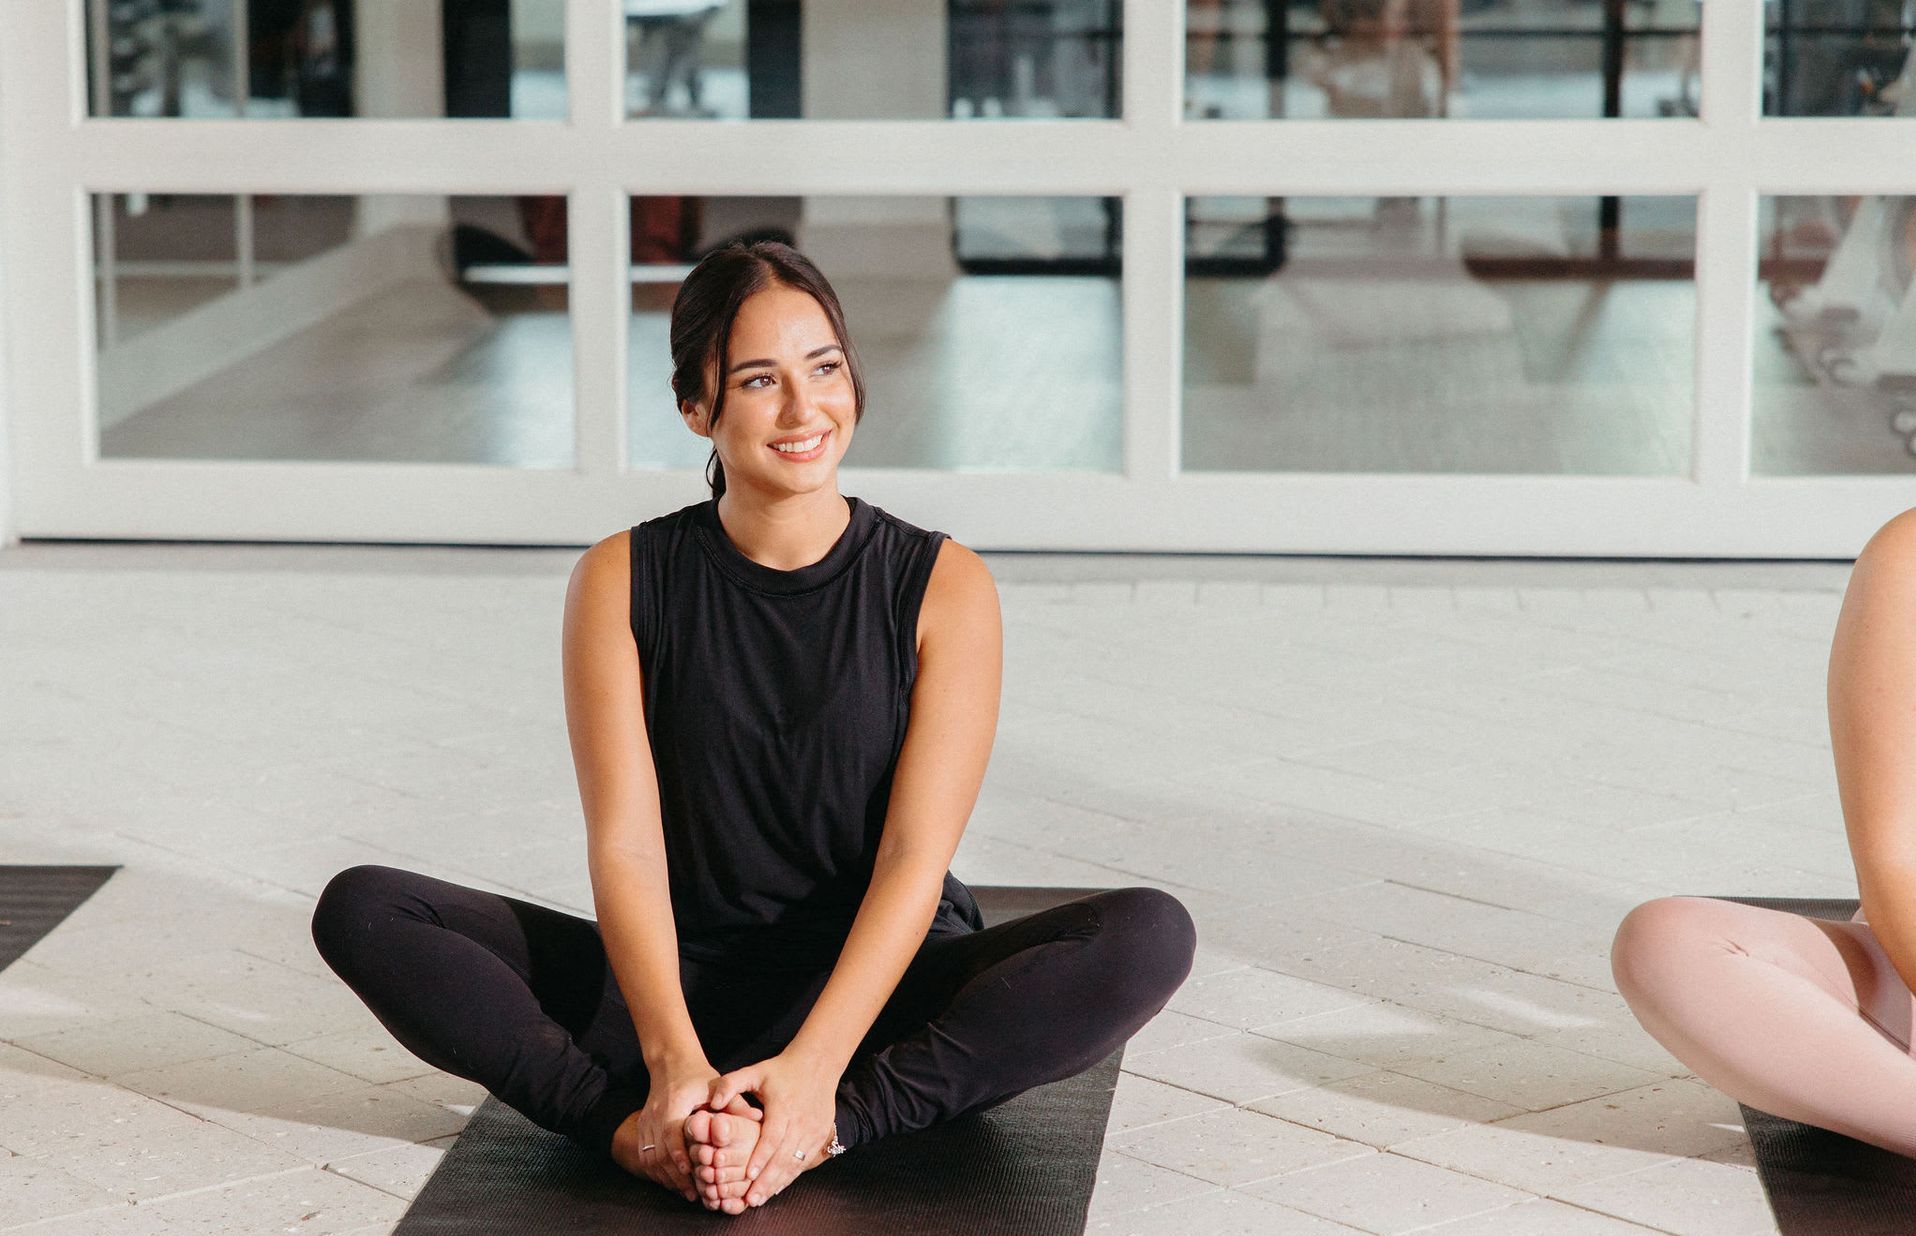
[770, 1138]
[661, 1172]
[739, 1107]
[733, 1086]
[672, 1142]
[781, 1168]
[675, 1180]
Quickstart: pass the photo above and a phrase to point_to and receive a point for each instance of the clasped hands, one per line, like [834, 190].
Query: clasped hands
[713, 1146]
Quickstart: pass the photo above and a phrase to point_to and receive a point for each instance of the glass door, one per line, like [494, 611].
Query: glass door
[1555, 277]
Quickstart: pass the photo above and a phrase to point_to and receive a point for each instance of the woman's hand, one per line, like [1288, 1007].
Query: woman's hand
[798, 1093]
[678, 1087]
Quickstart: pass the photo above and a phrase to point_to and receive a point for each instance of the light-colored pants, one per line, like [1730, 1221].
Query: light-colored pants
[1800, 1018]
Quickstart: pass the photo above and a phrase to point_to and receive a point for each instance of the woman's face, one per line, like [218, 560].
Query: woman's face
[787, 385]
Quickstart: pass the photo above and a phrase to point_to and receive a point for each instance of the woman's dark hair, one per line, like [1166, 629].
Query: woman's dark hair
[708, 304]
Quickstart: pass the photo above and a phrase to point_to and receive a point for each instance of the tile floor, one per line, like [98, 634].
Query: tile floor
[1406, 802]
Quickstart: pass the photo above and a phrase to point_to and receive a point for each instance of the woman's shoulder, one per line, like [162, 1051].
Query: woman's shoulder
[680, 518]
[960, 596]
[604, 563]
[903, 532]
[959, 574]
[953, 560]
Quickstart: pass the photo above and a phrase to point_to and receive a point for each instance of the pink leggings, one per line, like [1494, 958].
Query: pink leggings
[1800, 1018]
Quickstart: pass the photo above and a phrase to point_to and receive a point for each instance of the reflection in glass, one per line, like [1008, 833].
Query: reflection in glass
[1510, 59]
[988, 329]
[1840, 58]
[397, 59]
[1836, 337]
[1484, 335]
[390, 328]
[872, 59]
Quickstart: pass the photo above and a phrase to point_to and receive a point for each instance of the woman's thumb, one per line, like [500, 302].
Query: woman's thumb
[729, 1087]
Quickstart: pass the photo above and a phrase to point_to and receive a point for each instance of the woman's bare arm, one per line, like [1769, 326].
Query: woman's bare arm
[1872, 704]
[618, 789]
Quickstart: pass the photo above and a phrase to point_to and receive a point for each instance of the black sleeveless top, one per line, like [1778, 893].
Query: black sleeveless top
[776, 704]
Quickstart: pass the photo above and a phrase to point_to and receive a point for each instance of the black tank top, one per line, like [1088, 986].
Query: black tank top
[776, 704]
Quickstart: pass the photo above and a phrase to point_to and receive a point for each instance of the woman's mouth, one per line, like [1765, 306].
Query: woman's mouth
[813, 447]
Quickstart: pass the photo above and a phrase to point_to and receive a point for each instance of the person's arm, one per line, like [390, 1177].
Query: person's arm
[625, 846]
[1872, 706]
[941, 766]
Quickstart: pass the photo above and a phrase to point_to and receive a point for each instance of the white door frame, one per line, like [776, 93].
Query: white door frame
[56, 157]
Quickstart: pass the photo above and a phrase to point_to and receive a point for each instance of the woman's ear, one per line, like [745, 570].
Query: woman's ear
[694, 417]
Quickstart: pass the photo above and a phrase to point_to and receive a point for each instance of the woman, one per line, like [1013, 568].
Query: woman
[781, 703]
[1802, 1018]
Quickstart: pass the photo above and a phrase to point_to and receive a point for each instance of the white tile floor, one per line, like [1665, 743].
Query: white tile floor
[1405, 801]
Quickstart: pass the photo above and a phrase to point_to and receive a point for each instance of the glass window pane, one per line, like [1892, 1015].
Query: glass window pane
[1840, 58]
[1484, 59]
[872, 59]
[394, 328]
[398, 59]
[987, 330]
[1836, 337]
[1531, 335]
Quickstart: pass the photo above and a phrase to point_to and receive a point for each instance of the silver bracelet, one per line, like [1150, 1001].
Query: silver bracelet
[837, 1147]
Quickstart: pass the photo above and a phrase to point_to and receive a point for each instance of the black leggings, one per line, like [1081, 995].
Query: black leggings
[521, 999]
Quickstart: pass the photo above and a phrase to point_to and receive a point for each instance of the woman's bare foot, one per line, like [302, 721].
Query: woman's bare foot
[720, 1144]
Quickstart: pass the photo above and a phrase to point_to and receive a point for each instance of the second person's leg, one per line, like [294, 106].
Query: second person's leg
[1797, 1017]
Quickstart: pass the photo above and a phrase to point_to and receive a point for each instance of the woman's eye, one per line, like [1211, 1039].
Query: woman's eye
[747, 383]
[828, 366]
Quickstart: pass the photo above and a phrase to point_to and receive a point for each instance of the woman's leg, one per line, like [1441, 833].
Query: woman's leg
[514, 996]
[982, 1017]
[1798, 1017]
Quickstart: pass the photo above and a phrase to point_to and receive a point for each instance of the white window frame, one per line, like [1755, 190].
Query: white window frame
[52, 157]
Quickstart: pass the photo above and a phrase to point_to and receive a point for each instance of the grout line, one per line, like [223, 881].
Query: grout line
[404, 1197]
[1475, 901]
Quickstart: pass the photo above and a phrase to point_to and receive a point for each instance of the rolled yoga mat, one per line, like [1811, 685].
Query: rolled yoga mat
[1821, 1183]
[35, 900]
[1023, 1168]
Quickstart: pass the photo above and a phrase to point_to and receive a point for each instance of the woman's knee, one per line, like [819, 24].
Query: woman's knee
[1149, 937]
[351, 905]
[1661, 942]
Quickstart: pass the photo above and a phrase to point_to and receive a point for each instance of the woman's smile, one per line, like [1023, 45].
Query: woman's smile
[816, 443]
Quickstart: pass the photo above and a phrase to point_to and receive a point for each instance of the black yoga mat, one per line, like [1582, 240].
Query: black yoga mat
[1023, 1168]
[1821, 1183]
[35, 900]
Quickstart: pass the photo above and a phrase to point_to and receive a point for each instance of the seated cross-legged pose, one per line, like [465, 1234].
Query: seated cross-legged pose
[781, 702]
[1806, 1019]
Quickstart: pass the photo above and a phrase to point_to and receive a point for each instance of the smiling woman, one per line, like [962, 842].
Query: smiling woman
[801, 381]
[781, 702]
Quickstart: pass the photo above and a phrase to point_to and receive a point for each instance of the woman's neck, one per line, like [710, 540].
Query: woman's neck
[792, 532]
